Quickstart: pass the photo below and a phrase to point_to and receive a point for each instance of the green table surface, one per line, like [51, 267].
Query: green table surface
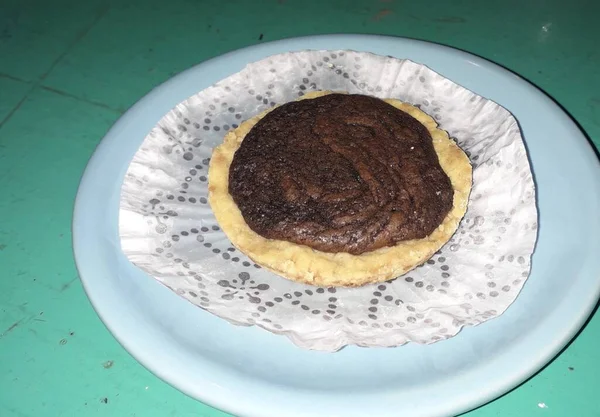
[69, 69]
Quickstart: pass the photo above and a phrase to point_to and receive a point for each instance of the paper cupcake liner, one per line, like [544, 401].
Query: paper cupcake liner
[168, 230]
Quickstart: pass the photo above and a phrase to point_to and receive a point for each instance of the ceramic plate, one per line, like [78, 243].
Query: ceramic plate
[250, 372]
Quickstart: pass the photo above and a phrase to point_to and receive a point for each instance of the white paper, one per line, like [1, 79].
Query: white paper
[167, 227]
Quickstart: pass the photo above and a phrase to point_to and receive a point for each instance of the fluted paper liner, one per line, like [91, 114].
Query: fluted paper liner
[168, 230]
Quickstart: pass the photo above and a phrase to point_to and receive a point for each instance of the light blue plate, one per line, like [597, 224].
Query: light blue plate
[250, 372]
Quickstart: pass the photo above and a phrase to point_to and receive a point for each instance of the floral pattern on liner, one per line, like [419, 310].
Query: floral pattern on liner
[168, 230]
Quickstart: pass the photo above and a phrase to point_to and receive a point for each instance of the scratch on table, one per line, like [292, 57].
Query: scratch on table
[594, 104]
[14, 411]
[67, 285]
[11, 327]
[381, 14]
[542, 405]
[450, 19]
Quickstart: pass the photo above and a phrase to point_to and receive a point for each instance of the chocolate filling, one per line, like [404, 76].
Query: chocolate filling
[340, 173]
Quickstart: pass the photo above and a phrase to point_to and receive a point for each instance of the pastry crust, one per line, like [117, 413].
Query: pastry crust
[304, 264]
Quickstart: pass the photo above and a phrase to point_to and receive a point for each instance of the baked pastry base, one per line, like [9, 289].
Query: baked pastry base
[306, 265]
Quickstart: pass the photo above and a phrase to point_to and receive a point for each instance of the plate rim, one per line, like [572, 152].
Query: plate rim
[90, 280]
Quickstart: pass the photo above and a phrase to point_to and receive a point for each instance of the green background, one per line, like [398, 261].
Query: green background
[68, 70]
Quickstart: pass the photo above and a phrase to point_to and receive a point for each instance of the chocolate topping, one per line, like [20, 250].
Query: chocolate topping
[340, 173]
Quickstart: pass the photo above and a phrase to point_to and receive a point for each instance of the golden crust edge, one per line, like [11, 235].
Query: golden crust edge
[303, 264]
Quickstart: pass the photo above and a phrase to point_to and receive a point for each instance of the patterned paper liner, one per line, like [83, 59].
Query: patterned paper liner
[168, 229]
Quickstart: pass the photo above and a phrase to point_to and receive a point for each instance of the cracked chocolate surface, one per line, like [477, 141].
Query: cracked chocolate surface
[340, 173]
